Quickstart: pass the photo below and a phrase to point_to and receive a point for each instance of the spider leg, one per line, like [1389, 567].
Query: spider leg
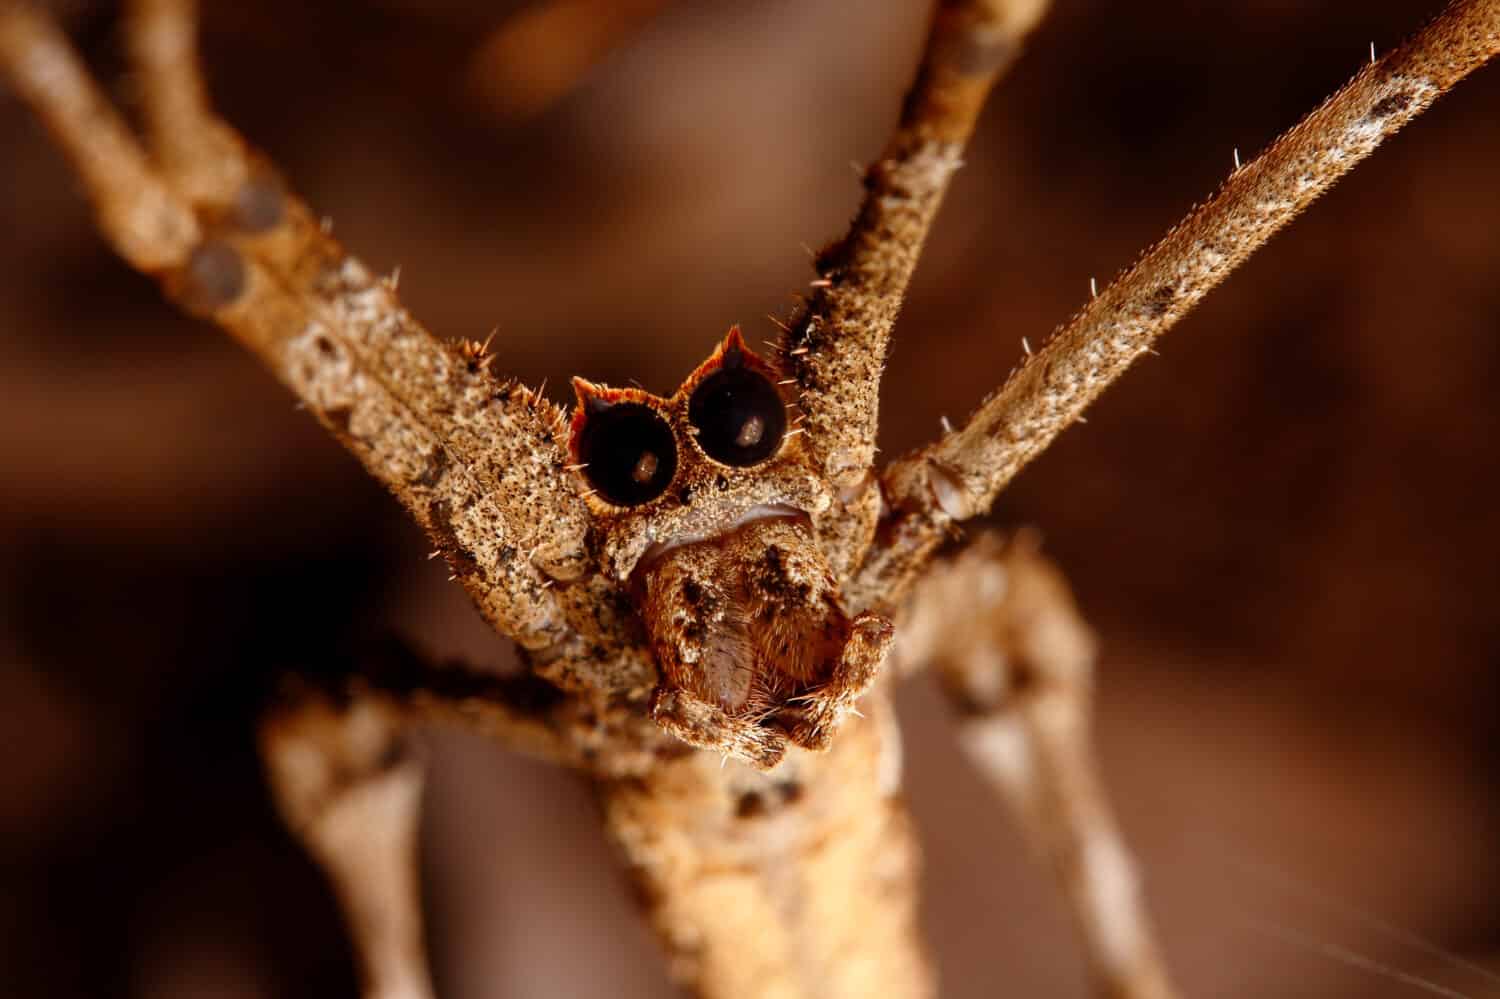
[959, 476]
[1016, 659]
[200, 156]
[349, 788]
[477, 461]
[345, 775]
[834, 350]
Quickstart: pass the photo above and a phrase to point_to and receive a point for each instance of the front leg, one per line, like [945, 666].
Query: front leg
[1016, 659]
[349, 787]
[340, 758]
[959, 476]
[476, 460]
[835, 348]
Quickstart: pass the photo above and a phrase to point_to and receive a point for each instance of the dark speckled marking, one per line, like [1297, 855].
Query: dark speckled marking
[1387, 106]
[437, 467]
[338, 418]
[213, 278]
[260, 204]
[1160, 301]
[749, 805]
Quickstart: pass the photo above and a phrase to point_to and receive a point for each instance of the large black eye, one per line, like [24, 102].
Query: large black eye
[629, 452]
[739, 416]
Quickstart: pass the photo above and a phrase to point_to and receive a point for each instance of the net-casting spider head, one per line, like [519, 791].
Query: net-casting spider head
[704, 504]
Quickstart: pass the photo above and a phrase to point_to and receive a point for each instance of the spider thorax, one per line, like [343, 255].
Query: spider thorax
[705, 502]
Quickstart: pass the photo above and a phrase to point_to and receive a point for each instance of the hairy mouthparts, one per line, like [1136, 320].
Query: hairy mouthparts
[751, 636]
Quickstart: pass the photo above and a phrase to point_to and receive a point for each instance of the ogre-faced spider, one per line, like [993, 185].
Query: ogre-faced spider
[714, 590]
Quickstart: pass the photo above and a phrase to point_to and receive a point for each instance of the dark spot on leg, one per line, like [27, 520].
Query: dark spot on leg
[1024, 680]
[1387, 106]
[440, 524]
[437, 466]
[1160, 301]
[749, 805]
[213, 278]
[440, 516]
[260, 204]
[325, 347]
[830, 262]
[338, 419]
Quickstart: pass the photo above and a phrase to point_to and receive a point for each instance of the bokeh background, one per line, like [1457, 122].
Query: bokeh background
[1284, 527]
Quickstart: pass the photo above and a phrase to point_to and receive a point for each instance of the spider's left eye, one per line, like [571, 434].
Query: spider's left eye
[628, 453]
[739, 416]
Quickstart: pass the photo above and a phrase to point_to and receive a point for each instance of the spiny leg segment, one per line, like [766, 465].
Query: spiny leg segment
[475, 460]
[339, 755]
[835, 349]
[960, 475]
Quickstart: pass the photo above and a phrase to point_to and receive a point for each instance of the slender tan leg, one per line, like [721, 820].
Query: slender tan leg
[472, 457]
[834, 351]
[200, 156]
[350, 789]
[1016, 659]
[959, 476]
[340, 760]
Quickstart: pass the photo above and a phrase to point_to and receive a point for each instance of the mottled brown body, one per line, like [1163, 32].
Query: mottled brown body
[754, 645]
[794, 884]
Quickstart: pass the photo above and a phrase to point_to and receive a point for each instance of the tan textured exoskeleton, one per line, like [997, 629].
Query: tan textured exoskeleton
[705, 503]
[712, 592]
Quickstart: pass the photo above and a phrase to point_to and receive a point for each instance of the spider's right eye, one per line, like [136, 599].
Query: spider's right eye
[628, 452]
[739, 417]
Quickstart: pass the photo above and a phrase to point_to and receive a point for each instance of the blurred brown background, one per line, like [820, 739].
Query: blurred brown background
[1283, 527]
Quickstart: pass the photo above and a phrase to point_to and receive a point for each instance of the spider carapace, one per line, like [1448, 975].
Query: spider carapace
[707, 499]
